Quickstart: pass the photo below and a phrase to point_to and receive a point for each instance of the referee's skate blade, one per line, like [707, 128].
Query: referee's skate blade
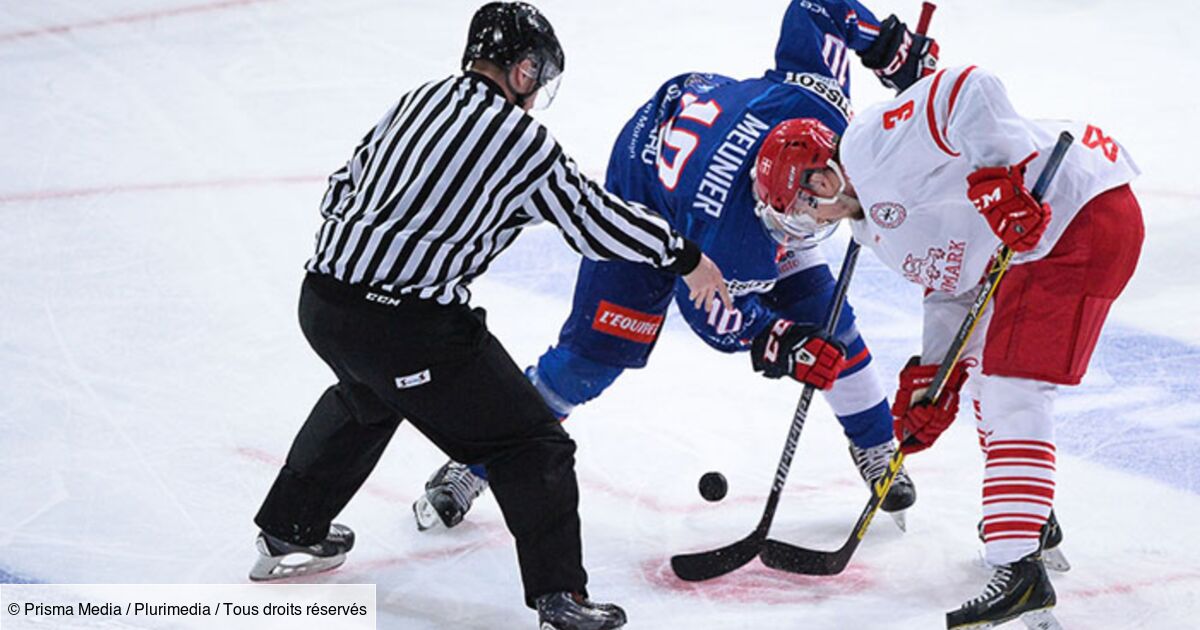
[292, 565]
[425, 515]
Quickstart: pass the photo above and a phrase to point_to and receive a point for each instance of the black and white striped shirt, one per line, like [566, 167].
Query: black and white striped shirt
[447, 180]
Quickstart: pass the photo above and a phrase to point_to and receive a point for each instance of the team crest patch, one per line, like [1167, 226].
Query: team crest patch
[888, 215]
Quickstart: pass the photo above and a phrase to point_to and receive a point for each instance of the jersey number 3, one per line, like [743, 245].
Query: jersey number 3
[682, 141]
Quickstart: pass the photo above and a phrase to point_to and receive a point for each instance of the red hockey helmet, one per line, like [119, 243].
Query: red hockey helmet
[793, 150]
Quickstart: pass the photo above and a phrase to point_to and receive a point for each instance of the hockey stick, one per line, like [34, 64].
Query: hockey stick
[785, 557]
[927, 9]
[705, 565]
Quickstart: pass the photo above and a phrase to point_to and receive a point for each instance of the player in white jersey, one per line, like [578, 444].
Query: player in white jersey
[933, 182]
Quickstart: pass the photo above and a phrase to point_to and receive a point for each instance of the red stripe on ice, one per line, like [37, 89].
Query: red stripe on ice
[127, 19]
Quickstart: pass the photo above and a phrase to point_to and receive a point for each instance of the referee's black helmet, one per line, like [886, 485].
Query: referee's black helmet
[506, 33]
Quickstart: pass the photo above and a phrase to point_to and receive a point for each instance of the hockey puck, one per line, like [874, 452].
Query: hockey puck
[713, 486]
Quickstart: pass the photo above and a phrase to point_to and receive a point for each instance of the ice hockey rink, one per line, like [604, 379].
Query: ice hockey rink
[162, 165]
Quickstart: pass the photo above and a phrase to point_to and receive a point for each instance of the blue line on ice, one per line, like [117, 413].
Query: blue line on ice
[10, 578]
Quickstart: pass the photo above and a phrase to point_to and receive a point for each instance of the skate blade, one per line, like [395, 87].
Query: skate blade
[425, 515]
[279, 567]
[900, 519]
[1041, 620]
[1055, 560]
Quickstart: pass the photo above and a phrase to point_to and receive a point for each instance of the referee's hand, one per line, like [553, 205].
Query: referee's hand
[705, 282]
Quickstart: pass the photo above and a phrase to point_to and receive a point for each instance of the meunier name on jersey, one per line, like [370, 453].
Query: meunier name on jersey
[726, 162]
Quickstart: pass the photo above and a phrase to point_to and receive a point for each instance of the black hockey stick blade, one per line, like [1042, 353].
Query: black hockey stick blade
[706, 565]
[785, 557]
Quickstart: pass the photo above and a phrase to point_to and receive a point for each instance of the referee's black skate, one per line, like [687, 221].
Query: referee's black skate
[572, 611]
[872, 464]
[278, 558]
[1018, 590]
[448, 496]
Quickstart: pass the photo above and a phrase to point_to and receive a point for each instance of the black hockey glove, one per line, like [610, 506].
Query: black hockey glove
[899, 56]
[788, 349]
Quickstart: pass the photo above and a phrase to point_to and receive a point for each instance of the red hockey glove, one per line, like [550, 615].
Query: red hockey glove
[999, 194]
[918, 427]
[787, 349]
[899, 56]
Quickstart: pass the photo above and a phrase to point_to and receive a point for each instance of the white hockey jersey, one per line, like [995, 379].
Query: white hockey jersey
[908, 160]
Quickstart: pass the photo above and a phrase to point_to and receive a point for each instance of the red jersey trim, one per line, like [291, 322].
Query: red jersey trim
[931, 117]
[962, 78]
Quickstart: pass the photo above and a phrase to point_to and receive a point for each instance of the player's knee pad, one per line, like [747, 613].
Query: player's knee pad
[566, 379]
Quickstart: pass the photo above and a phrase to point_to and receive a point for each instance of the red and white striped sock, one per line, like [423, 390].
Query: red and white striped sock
[1018, 493]
[1018, 483]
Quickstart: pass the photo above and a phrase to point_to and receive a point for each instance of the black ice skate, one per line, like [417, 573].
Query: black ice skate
[448, 496]
[1052, 537]
[1049, 545]
[279, 559]
[872, 464]
[572, 611]
[1021, 589]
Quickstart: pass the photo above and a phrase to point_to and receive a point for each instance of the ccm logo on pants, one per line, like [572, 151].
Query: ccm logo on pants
[626, 323]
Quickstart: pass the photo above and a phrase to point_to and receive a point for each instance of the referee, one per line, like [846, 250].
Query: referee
[433, 193]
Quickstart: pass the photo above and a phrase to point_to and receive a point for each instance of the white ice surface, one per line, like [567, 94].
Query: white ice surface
[162, 168]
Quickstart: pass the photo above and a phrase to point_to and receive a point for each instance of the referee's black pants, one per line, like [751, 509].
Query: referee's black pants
[439, 368]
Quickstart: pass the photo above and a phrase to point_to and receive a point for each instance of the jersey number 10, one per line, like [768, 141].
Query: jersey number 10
[682, 141]
[836, 58]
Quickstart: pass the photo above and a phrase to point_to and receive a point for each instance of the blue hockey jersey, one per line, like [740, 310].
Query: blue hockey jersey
[688, 153]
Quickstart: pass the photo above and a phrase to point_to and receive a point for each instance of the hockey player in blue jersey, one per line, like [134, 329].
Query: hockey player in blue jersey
[689, 153]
